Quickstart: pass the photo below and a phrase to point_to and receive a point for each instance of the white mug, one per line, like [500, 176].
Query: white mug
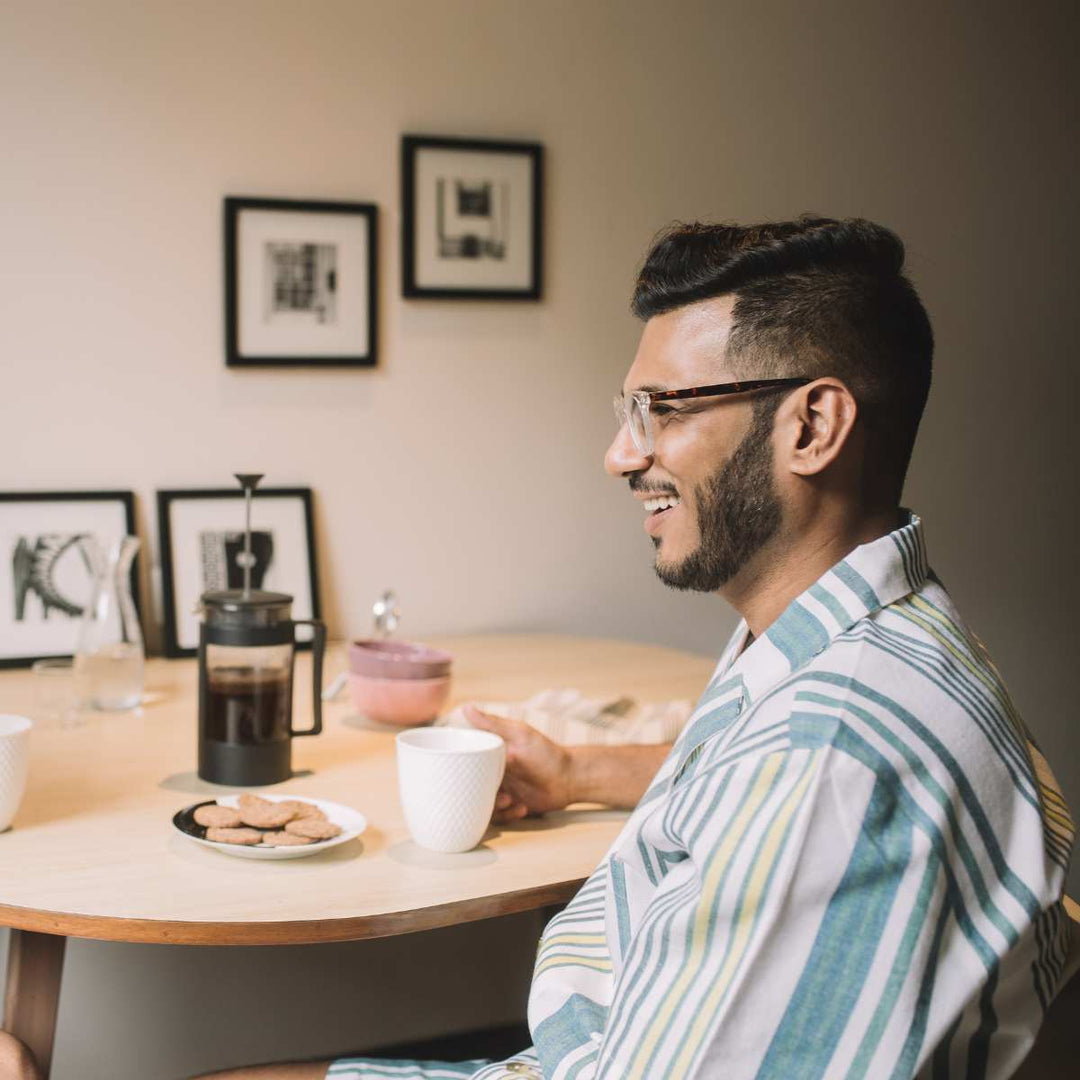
[448, 779]
[14, 762]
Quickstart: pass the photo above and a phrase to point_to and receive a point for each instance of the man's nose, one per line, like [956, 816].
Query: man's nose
[623, 456]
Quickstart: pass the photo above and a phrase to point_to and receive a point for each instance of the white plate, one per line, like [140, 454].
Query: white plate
[352, 825]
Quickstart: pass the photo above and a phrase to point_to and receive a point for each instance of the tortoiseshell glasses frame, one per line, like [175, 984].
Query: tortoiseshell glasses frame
[633, 407]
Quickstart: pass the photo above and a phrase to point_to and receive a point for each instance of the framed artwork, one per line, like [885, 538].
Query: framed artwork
[300, 283]
[47, 574]
[201, 537]
[472, 218]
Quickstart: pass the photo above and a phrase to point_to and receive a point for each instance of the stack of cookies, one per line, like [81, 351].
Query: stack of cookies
[258, 821]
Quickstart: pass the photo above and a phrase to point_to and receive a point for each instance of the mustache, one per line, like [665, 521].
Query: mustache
[637, 483]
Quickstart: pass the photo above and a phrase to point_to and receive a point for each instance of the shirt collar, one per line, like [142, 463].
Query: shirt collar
[870, 577]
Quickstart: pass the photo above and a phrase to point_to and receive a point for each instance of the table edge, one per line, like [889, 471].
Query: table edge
[289, 932]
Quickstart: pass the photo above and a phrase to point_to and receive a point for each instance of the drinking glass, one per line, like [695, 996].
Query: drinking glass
[55, 702]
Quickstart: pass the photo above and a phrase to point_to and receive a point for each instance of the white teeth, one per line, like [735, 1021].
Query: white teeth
[663, 503]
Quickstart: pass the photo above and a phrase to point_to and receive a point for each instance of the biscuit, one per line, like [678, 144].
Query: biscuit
[218, 817]
[313, 829]
[280, 838]
[264, 814]
[304, 810]
[247, 837]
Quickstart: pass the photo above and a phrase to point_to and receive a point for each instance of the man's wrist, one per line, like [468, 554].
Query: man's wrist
[613, 775]
[579, 782]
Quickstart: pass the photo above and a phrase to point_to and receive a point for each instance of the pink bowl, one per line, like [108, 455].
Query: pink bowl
[404, 702]
[398, 660]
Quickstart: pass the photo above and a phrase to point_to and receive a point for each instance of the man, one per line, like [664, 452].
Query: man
[847, 864]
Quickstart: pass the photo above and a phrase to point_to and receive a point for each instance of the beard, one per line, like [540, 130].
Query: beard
[738, 513]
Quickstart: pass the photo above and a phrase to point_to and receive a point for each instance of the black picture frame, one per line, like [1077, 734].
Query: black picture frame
[421, 262]
[12, 654]
[177, 642]
[311, 281]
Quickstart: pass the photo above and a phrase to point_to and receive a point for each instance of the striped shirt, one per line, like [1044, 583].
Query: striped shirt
[850, 865]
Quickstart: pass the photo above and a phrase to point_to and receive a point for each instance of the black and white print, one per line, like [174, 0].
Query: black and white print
[201, 540]
[472, 213]
[300, 283]
[224, 558]
[46, 541]
[472, 218]
[50, 574]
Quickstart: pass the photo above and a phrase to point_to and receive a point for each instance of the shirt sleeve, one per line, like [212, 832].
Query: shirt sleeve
[755, 956]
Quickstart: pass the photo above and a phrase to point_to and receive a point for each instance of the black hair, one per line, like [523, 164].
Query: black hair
[813, 297]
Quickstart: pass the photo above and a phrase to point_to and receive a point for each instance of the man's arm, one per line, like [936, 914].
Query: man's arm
[541, 775]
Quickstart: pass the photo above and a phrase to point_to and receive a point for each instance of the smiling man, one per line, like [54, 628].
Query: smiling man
[851, 862]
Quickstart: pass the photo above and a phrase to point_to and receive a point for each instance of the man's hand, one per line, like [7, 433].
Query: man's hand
[538, 773]
[542, 775]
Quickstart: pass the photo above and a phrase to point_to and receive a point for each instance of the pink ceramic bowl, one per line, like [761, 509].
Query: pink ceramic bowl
[403, 702]
[398, 660]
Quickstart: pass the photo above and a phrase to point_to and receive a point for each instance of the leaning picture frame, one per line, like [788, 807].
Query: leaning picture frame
[201, 541]
[472, 218]
[301, 283]
[45, 539]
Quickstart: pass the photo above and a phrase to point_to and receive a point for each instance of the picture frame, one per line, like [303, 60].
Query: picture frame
[301, 283]
[47, 576]
[472, 213]
[200, 535]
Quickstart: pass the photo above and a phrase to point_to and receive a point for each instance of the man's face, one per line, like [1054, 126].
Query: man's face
[711, 457]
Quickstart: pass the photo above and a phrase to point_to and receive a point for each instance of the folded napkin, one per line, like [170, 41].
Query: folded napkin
[570, 718]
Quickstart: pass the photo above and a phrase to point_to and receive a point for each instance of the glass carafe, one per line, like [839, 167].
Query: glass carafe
[109, 657]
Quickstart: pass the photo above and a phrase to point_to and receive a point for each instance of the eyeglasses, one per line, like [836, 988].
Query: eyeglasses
[634, 407]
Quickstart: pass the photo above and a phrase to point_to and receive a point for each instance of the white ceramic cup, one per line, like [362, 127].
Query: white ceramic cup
[14, 762]
[448, 779]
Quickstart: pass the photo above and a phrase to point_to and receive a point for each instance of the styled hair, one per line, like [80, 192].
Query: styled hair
[813, 297]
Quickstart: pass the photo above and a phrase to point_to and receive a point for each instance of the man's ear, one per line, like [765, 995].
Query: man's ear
[816, 425]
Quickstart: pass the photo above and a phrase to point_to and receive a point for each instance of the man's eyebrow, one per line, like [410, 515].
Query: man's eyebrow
[649, 388]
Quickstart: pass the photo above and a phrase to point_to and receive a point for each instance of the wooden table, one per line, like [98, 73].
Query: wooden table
[93, 854]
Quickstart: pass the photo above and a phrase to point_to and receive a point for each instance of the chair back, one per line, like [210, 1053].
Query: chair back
[1056, 1053]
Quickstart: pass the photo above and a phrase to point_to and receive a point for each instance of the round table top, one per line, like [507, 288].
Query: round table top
[92, 852]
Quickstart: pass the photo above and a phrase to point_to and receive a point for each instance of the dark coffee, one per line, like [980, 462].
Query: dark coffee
[246, 706]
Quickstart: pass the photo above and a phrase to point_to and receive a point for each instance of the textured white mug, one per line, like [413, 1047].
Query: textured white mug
[14, 762]
[448, 779]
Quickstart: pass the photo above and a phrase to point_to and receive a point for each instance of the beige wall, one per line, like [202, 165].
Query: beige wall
[465, 470]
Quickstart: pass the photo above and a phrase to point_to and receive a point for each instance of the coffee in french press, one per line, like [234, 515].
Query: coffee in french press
[247, 642]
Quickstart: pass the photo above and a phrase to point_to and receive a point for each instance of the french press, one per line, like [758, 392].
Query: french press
[247, 639]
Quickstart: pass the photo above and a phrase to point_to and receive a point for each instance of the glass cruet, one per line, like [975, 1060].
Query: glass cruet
[109, 657]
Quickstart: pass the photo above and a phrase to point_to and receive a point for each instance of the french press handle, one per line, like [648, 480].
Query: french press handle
[318, 647]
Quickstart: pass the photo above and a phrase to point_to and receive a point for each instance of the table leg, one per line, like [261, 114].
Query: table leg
[35, 963]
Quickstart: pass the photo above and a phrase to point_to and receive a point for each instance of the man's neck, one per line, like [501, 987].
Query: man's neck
[788, 566]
